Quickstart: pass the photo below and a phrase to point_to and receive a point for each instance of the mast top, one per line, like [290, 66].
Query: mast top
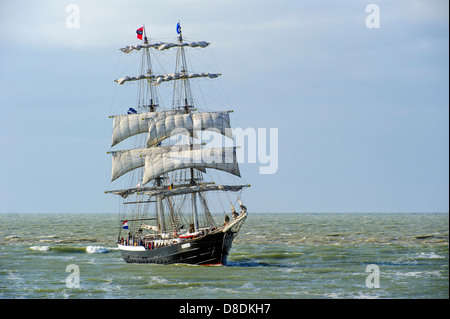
[180, 38]
[141, 32]
[145, 36]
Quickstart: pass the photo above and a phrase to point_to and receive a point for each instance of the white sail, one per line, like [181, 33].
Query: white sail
[194, 189]
[128, 125]
[164, 127]
[124, 193]
[177, 189]
[223, 159]
[164, 46]
[147, 189]
[128, 160]
[158, 78]
[178, 76]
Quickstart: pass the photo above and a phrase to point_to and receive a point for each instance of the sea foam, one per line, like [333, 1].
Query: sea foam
[40, 248]
[431, 255]
[96, 249]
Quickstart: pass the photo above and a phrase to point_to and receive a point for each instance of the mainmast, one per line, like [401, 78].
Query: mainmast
[186, 89]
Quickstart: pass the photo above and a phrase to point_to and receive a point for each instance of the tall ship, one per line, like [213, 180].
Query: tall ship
[171, 176]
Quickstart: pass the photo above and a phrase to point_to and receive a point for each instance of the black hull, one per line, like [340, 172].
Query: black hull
[212, 249]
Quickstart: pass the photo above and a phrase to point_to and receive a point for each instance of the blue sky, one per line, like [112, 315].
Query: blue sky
[362, 114]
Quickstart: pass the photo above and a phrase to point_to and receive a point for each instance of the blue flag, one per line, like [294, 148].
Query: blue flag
[131, 111]
[178, 28]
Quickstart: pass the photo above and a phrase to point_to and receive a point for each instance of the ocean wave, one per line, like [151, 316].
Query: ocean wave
[157, 280]
[96, 249]
[405, 261]
[282, 255]
[14, 238]
[419, 274]
[431, 255]
[40, 248]
[69, 249]
[71, 240]
[72, 249]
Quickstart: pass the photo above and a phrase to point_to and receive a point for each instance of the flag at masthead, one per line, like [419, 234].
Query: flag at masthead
[140, 32]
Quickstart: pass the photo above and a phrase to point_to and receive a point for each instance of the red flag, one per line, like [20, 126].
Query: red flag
[139, 32]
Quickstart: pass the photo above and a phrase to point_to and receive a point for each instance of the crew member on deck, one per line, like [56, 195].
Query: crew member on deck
[227, 219]
[234, 213]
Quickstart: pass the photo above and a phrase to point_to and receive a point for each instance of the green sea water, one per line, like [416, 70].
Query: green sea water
[279, 255]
